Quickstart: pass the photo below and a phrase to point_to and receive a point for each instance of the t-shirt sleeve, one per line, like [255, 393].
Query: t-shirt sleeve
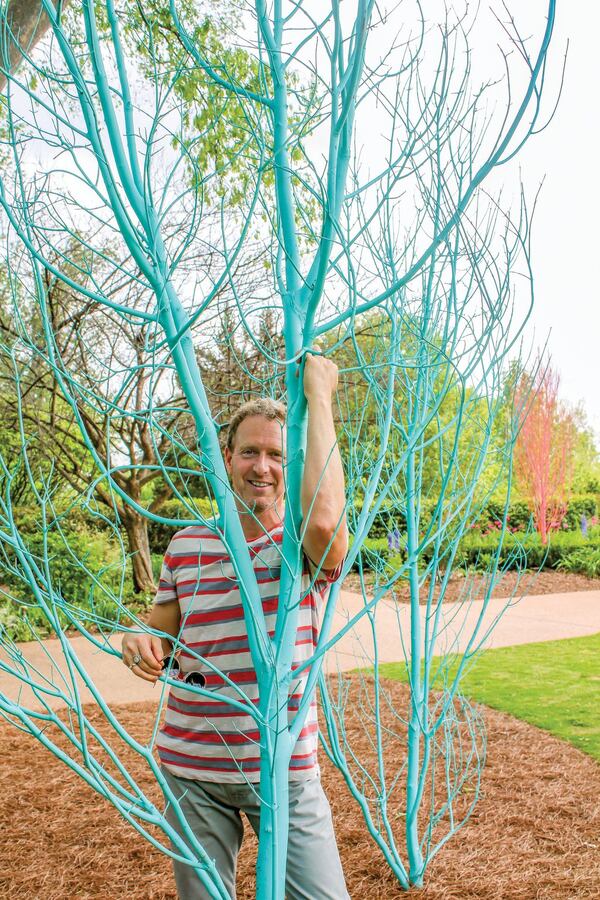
[324, 577]
[167, 590]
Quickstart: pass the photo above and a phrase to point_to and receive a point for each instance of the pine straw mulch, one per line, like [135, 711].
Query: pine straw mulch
[546, 581]
[534, 835]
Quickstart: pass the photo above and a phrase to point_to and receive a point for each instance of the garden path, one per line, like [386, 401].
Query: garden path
[544, 617]
[533, 618]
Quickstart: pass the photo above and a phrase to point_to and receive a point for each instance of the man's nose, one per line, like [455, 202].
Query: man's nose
[261, 463]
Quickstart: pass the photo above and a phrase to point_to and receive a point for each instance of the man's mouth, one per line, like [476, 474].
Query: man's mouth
[260, 484]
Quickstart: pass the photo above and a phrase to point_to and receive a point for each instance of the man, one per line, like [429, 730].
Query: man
[208, 749]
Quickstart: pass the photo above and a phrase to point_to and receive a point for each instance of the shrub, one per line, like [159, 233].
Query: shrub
[579, 506]
[391, 518]
[86, 570]
[519, 550]
[159, 534]
[72, 555]
[585, 561]
[519, 516]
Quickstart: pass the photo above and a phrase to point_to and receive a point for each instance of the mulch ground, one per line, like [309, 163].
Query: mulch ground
[534, 835]
[547, 581]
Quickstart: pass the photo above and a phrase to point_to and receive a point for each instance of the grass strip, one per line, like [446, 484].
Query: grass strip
[552, 684]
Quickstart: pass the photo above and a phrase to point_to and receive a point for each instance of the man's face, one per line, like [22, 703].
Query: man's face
[255, 464]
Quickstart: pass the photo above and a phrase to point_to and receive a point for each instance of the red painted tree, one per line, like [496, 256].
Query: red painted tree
[543, 456]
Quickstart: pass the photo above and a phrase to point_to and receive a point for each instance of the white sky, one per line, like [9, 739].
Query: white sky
[566, 228]
[565, 247]
[565, 235]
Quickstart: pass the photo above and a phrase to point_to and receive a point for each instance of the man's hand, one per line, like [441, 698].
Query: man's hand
[143, 654]
[320, 378]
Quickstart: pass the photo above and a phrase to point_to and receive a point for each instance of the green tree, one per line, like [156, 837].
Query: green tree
[586, 459]
[212, 144]
[457, 426]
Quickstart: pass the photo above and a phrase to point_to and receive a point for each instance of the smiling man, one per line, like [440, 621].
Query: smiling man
[208, 749]
[254, 461]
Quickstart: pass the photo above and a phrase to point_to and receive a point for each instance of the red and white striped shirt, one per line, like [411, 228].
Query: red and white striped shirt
[209, 739]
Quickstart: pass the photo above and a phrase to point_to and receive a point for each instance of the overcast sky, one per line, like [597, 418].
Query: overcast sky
[566, 250]
[565, 234]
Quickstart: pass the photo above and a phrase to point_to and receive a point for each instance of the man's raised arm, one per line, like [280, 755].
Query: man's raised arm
[323, 489]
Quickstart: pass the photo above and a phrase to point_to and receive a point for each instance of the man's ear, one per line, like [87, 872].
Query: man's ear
[227, 458]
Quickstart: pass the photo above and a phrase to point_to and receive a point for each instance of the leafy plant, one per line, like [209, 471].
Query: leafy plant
[585, 561]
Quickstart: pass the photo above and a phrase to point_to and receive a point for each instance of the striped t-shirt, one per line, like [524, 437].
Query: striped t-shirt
[209, 739]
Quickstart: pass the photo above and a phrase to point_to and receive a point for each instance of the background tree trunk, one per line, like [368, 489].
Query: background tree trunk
[28, 24]
[136, 529]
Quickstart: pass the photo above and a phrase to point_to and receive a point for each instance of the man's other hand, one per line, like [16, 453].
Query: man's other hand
[143, 655]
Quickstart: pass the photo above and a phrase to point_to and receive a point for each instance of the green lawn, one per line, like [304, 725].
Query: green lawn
[554, 685]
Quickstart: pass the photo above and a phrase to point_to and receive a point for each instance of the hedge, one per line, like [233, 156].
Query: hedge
[518, 551]
[584, 505]
[519, 515]
[522, 549]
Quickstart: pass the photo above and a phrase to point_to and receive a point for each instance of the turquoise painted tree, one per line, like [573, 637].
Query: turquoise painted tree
[353, 148]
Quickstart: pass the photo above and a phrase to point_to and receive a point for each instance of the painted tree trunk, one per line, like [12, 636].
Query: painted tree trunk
[274, 798]
[341, 260]
[415, 723]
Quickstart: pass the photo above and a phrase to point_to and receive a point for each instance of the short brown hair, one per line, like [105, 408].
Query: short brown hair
[262, 406]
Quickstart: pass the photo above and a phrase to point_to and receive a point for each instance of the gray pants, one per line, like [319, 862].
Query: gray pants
[212, 810]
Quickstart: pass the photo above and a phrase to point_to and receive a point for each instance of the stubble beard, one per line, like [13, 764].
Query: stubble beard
[256, 506]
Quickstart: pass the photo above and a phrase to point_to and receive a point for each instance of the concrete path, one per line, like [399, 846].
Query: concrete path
[543, 617]
[534, 618]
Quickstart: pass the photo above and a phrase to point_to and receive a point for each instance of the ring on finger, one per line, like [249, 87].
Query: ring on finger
[136, 659]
